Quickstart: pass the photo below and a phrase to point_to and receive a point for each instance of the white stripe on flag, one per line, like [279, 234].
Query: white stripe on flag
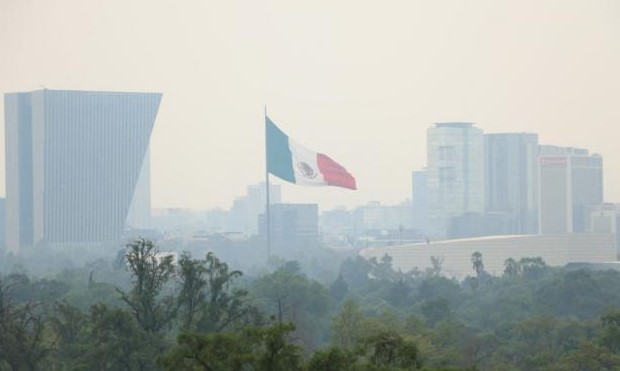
[305, 165]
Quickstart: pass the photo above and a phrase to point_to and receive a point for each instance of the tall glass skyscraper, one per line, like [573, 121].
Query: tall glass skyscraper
[455, 173]
[511, 173]
[73, 159]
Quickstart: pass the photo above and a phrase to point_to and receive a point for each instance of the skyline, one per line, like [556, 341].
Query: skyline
[373, 81]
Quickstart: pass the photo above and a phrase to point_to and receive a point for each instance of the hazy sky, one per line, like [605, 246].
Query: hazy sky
[357, 80]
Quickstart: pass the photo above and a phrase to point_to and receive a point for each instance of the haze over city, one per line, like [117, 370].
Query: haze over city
[443, 188]
[356, 81]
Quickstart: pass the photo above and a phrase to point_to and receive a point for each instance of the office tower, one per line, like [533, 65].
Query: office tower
[570, 180]
[73, 159]
[245, 210]
[294, 228]
[455, 174]
[511, 180]
[419, 201]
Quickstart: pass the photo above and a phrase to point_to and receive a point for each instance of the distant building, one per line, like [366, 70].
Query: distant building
[552, 150]
[73, 159]
[568, 183]
[471, 225]
[455, 174]
[338, 227]
[245, 210]
[217, 221]
[375, 216]
[294, 228]
[419, 201]
[511, 180]
[601, 218]
[179, 222]
[2, 224]
[455, 255]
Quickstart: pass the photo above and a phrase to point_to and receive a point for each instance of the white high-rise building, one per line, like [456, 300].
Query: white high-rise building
[455, 174]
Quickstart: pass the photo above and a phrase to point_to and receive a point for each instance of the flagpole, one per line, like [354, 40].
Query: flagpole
[267, 186]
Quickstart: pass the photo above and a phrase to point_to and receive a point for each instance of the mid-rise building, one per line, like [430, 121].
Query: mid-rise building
[569, 182]
[246, 209]
[455, 174]
[73, 159]
[375, 216]
[294, 228]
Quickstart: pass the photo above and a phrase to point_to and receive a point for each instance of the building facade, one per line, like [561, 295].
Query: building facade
[294, 228]
[511, 180]
[455, 255]
[569, 182]
[73, 159]
[245, 211]
[455, 174]
[419, 201]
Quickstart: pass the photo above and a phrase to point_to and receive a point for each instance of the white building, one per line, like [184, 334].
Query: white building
[455, 174]
[555, 250]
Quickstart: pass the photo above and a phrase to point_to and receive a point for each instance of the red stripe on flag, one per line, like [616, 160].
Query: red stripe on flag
[334, 174]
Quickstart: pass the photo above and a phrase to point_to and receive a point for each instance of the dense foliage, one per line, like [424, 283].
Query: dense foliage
[146, 311]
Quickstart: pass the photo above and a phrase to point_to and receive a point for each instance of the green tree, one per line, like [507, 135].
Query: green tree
[435, 310]
[21, 332]
[477, 264]
[435, 271]
[390, 351]
[587, 357]
[277, 353]
[207, 301]
[192, 297]
[225, 305]
[610, 335]
[150, 273]
[333, 359]
[346, 325]
[398, 294]
[533, 267]
[512, 267]
[70, 327]
[210, 351]
[338, 289]
[252, 348]
[116, 341]
[356, 271]
[292, 297]
[382, 270]
[478, 267]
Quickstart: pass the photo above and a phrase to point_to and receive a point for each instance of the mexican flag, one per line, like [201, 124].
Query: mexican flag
[290, 161]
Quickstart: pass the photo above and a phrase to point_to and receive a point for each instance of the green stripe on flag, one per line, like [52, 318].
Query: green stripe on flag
[279, 157]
